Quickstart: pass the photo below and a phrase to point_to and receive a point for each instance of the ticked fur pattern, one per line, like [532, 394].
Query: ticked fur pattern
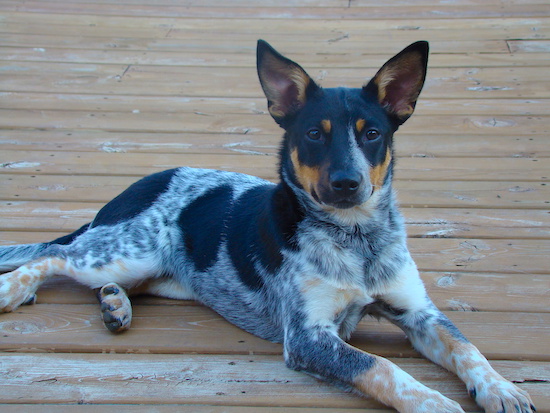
[298, 262]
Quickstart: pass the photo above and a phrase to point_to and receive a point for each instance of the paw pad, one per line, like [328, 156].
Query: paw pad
[116, 309]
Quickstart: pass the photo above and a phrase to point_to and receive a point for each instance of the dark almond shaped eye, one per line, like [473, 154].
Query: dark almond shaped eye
[372, 134]
[314, 134]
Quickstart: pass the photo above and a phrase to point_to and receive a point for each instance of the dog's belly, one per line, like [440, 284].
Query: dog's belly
[252, 310]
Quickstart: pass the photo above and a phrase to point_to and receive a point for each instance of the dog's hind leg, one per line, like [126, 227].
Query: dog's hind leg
[19, 286]
[116, 309]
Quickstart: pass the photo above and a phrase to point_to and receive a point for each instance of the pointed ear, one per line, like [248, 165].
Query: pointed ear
[399, 82]
[286, 85]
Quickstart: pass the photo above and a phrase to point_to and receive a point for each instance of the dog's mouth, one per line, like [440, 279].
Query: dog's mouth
[331, 200]
[345, 204]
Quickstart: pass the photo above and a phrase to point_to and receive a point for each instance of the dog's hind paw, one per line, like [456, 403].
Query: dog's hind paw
[16, 289]
[116, 309]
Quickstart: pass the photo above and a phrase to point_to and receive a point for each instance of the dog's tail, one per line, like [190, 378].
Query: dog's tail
[12, 257]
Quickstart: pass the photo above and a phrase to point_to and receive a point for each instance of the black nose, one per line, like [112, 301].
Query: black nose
[345, 183]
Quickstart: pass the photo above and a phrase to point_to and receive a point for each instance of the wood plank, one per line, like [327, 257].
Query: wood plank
[452, 291]
[480, 223]
[208, 106]
[515, 27]
[65, 217]
[379, 11]
[529, 46]
[332, 42]
[235, 49]
[307, 3]
[249, 380]
[419, 144]
[164, 329]
[310, 3]
[185, 55]
[490, 256]
[253, 124]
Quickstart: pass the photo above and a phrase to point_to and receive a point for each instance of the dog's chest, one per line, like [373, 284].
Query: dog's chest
[364, 260]
[340, 275]
[332, 306]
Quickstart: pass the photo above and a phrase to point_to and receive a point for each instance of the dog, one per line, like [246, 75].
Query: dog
[298, 262]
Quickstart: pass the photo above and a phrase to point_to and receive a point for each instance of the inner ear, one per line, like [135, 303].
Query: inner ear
[399, 82]
[284, 82]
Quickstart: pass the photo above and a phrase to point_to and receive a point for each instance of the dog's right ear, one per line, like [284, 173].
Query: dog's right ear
[286, 85]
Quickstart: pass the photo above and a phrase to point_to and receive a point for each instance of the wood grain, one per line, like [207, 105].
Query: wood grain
[245, 380]
[95, 95]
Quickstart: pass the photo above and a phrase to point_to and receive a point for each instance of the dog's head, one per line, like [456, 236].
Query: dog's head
[338, 141]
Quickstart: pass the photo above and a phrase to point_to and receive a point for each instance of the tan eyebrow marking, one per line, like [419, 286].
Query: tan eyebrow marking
[327, 126]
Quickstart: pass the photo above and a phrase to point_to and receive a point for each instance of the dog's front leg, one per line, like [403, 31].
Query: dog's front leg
[320, 352]
[436, 337]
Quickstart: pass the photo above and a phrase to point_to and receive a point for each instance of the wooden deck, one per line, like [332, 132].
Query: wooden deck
[95, 94]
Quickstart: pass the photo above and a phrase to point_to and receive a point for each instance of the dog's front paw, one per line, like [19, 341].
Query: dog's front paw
[16, 289]
[498, 395]
[116, 309]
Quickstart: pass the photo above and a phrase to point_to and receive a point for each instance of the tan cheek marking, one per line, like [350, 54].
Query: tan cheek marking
[327, 126]
[378, 173]
[359, 125]
[307, 176]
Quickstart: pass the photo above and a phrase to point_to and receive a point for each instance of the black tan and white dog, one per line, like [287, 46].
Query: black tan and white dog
[299, 262]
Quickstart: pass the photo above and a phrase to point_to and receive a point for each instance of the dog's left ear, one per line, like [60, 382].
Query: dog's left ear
[286, 85]
[399, 82]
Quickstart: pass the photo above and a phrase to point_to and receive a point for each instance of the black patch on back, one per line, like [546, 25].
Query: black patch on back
[134, 200]
[67, 239]
[202, 223]
[263, 223]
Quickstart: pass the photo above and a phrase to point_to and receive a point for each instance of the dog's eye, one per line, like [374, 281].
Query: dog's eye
[314, 134]
[372, 134]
